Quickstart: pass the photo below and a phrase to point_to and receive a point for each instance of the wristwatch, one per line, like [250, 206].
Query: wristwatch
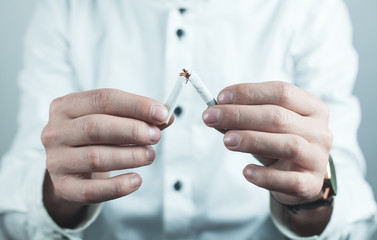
[329, 190]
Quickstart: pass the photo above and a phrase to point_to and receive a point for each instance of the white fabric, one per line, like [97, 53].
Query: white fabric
[132, 45]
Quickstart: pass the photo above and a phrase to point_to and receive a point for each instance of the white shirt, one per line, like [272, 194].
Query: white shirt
[134, 46]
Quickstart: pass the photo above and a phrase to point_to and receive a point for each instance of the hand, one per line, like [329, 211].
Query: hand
[90, 134]
[285, 127]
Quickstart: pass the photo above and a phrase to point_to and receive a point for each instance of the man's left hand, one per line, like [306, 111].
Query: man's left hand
[285, 128]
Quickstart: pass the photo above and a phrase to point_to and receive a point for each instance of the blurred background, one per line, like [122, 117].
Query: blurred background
[15, 14]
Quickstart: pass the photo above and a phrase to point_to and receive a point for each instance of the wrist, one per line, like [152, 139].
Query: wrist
[306, 222]
[310, 218]
[325, 197]
[65, 214]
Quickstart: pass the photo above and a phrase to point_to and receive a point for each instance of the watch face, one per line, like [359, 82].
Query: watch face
[333, 181]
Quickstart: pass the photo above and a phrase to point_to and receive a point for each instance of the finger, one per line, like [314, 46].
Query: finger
[301, 184]
[100, 190]
[111, 102]
[274, 146]
[166, 125]
[266, 118]
[101, 158]
[282, 94]
[106, 129]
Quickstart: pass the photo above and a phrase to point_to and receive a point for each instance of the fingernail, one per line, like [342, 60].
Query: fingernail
[159, 113]
[226, 97]
[154, 134]
[135, 181]
[151, 154]
[211, 115]
[232, 139]
[249, 173]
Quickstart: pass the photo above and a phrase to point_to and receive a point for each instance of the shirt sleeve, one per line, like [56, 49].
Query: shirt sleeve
[46, 75]
[326, 65]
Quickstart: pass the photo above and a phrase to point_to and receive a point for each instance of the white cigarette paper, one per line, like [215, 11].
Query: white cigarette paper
[202, 89]
[174, 95]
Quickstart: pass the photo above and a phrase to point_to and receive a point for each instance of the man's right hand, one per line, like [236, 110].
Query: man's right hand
[90, 134]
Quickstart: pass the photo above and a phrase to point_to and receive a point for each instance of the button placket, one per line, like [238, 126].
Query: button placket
[177, 151]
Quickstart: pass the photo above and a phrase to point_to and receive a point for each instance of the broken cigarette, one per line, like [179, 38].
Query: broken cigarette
[174, 95]
[201, 89]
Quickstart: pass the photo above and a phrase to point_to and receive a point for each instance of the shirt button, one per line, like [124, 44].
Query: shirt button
[182, 10]
[180, 33]
[178, 111]
[178, 185]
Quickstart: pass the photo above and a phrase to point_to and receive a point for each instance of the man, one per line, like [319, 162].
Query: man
[109, 65]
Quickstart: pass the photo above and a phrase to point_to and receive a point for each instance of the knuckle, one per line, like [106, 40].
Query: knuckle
[139, 132]
[300, 186]
[280, 118]
[51, 165]
[135, 108]
[247, 91]
[328, 139]
[269, 180]
[93, 158]
[258, 142]
[135, 132]
[89, 194]
[60, 188]
[137, 157]
[101, 99]
[238, 116]
[285, 91]
[241, 92]
[325, 139]
[49, 136]
[90, 128]
[296, 148]
[55, 105]
[45, 136]
[55, 163]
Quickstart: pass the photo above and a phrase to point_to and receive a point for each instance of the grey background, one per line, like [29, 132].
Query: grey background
[15, 14]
